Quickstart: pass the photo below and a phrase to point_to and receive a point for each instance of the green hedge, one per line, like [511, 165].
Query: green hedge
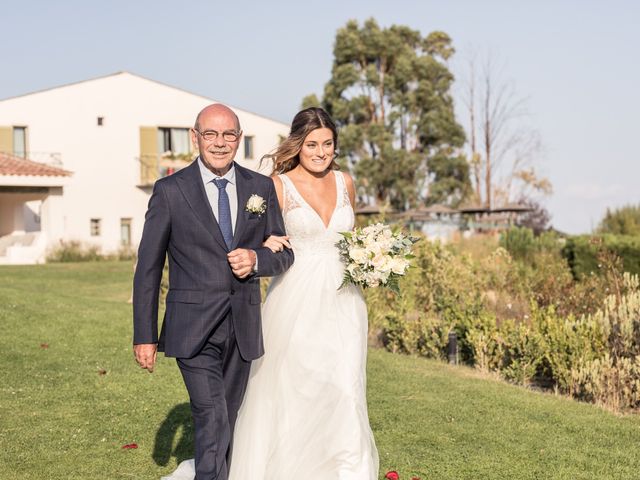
[583, 251]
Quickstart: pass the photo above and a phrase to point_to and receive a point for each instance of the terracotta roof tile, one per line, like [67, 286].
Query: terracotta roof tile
[12, 165]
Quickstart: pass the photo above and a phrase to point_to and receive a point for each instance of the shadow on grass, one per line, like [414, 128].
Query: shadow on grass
[178, 421]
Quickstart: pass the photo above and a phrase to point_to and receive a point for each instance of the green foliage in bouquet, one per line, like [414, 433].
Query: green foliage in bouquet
[375, 256]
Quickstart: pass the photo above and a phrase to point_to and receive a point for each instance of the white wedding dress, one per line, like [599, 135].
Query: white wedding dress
[304, 414]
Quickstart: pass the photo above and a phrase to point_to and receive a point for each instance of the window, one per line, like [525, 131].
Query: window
[174, 140]
[248, 147]
[100, 121]
[20, 141]
[95, 227]
[125, 232]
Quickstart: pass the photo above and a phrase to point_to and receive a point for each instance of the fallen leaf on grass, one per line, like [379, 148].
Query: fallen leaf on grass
[130, 446]
[44, 345]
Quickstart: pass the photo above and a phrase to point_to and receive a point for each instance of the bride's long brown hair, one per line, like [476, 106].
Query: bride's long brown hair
[286, 156]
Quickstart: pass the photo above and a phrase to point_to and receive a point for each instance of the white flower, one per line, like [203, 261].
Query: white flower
[398, 265]
[371, 279]
[380, 261]
[358, 255]
[256, 204]
[375, 256]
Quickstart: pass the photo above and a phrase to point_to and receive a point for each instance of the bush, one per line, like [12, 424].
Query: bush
[622, 221]
[74, 251]
[440, 293]
[614, 384]
[612, 378]
[519, 242]
[594, 357]
[583, 252]
[125, 253]
[527, 319]
[522, 244]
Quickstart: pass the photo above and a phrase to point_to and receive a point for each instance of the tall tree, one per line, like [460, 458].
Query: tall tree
[503, 147]
[537, 219]
[390, 93]
[623, 221]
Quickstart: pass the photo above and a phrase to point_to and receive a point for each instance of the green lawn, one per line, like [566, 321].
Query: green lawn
[62, 417]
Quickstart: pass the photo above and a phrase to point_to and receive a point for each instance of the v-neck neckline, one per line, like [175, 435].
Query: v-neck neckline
[333, 212]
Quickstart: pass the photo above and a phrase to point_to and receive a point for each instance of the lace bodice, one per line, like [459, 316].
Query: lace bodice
[306, 230]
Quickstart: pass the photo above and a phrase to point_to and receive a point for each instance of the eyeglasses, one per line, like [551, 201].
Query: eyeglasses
[227, 135]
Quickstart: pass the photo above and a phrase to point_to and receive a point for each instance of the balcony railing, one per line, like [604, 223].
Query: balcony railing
[53, 159]
[154, 167]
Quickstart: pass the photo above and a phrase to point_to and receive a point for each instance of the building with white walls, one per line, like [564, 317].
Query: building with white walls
[105, 141]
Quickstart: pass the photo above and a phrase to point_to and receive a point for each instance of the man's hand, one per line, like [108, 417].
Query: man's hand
[145, 354]
[242, 261]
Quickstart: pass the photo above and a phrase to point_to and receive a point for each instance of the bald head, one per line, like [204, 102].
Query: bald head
[217, 136]
[216, 110]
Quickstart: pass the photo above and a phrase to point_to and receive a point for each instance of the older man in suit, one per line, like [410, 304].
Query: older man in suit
[211, 219]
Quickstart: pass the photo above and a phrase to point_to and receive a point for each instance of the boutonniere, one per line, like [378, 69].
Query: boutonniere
[256, 204]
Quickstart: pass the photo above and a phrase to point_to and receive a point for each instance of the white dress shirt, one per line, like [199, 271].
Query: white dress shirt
[232, 192]
[212, 191]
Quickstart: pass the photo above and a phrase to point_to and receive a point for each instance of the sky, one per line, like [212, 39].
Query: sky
[575, 62]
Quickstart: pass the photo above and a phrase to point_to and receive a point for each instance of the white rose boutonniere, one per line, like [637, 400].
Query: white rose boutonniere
[256, 204]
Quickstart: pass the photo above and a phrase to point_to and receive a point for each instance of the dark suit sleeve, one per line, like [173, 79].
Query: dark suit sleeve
[270, 263]
[151, 258]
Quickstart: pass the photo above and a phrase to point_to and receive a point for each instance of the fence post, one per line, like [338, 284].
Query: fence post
[453, 348]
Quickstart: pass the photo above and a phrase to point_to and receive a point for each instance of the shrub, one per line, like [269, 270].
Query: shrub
[441, 293]
[74, 251]
[594, 357]
[522, 352]
[526, 317]
[125, 253]
[583, 252]
[622, 221]
[612, 378]
[611, 383]
[566, 342]
[519, 242]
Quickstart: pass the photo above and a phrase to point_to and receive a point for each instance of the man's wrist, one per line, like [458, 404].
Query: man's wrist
[255, 265]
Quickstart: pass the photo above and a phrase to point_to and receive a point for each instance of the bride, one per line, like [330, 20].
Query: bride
[304, 414]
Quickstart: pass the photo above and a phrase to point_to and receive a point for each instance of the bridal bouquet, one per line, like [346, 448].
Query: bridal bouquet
[375, 256]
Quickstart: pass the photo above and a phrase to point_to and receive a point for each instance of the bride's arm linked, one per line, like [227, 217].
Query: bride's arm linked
[273, 262]
[277, 243]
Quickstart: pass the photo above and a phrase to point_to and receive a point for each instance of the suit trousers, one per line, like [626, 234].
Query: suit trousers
[216, 379]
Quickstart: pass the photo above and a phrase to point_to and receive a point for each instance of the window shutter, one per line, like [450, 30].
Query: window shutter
[6, 140]
[148, 155]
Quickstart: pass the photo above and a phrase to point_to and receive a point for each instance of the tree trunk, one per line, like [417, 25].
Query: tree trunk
[488, 140]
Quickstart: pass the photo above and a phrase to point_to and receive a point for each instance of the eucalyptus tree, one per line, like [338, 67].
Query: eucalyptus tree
[390, 93]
